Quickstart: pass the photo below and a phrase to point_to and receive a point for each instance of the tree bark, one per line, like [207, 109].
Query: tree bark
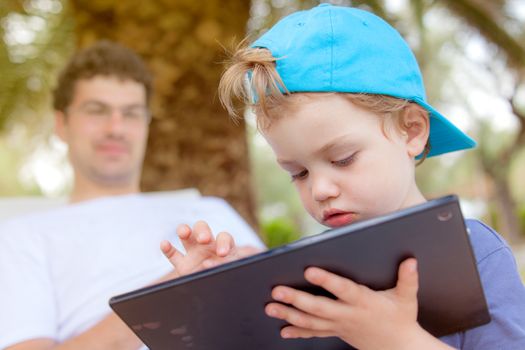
[498, 171]
[510, 224]
[192, 141]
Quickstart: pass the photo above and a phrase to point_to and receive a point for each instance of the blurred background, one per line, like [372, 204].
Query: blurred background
[471, 52]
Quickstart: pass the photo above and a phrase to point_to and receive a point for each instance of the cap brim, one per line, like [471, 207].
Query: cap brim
[444, 136]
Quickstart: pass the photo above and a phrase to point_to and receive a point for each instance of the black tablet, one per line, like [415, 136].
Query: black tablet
[223, 308]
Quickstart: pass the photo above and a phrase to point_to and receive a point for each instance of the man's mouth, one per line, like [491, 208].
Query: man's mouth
[112, 148]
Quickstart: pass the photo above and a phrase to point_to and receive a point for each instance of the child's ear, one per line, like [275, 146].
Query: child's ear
[416, 126]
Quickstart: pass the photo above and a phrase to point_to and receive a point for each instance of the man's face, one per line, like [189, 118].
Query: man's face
[106, 129]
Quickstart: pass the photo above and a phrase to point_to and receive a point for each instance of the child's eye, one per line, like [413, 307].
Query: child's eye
[299, 176]
[346, 161]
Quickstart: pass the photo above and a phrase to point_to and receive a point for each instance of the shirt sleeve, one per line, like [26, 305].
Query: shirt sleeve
[504, 292]
[26, 299]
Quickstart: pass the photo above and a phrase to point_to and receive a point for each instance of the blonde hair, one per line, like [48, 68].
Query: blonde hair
[251, 77]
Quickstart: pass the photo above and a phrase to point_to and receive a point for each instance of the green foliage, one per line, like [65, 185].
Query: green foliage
[10, 182]
[521, 215]
[516, 177]
[275, 184]
[279, 231]
[492, 218]
[36, 37]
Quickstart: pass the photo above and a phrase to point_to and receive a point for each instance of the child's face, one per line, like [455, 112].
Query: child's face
[343, 164]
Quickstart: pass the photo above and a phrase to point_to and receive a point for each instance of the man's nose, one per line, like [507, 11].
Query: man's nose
[115, 122]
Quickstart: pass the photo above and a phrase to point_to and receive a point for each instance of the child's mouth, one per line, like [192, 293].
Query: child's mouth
[339, 219]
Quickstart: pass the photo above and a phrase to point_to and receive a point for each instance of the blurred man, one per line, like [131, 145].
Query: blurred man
[59, 268]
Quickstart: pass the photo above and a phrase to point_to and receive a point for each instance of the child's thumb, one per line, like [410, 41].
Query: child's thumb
[407, 280]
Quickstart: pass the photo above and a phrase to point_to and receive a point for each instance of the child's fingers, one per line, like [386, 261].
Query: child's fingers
[192, 238]
[297, 318]
[209, 263]
[315, 305]
[170, 252]
[407, 280]
[297, 332]
[202, 232]
[183, 231]
[225, 244]
[343, 288]
[235, 253]
[187, 238]
[247, 250]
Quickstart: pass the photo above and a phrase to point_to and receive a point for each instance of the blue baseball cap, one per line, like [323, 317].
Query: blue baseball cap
[343, 49]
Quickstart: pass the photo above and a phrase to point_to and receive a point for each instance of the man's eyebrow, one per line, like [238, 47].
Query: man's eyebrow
[134, 105]
[98, 102]
[93, 102]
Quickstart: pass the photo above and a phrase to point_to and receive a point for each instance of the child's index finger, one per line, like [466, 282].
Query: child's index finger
[343, 288]
[183, 231]
[170, 252]
[225, 244]
[202, 232]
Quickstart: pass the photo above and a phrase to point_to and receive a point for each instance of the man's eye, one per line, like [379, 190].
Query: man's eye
[95, 110]
[346, 161]
[300, 175]
[136, 113]
[132, 114]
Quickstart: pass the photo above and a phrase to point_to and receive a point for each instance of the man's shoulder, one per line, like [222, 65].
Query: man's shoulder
[194, 208]
[58, 217]
[130, 213]
[74, 211]
[126, 204]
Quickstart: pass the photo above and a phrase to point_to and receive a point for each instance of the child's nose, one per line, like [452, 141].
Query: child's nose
[323, 188]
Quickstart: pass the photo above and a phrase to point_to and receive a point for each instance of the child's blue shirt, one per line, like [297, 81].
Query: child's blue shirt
[504, 291]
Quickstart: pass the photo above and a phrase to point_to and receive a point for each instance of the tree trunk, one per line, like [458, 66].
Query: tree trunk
[192, 141]
[510, 225]
[498, 172]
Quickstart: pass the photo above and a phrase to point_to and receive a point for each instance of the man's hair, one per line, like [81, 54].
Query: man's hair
[251, 76]
[104, 58]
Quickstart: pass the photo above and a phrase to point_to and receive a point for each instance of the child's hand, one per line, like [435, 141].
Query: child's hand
[364, 318]
[202, 249]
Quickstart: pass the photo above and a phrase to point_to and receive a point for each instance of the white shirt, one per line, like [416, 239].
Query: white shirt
[59, 268]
